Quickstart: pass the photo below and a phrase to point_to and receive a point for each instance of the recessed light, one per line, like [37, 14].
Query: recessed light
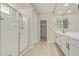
[69, 11]
[60, 12]
[66, 4]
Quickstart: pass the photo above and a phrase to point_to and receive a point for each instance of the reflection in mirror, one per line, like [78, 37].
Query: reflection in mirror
[65, 23]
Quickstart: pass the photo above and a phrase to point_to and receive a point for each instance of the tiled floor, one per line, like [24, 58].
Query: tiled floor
[42, 49]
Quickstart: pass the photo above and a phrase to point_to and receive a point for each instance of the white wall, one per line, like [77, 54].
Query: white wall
[50, 25]
[34, 26]
[38, 28]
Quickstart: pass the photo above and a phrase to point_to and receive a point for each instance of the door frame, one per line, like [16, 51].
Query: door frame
[46, 28]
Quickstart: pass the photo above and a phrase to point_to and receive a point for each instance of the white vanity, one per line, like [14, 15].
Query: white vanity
[68, 42]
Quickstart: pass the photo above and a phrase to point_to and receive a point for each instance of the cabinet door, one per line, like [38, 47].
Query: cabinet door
[74, 48]
[57, 38]
[62, 41]
[64, 45]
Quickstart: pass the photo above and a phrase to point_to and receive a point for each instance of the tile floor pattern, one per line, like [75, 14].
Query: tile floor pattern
[42, 49]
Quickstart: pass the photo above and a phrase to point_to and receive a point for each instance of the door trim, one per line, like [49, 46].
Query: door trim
[46, 29]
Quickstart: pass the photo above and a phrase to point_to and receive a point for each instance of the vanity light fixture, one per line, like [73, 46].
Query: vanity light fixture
[66, 4]
[60, 12]
[69, 11]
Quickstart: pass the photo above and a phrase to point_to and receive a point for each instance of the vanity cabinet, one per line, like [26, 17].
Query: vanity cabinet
[62, 42]
[65, 45]
[74, 47]
[68, 43]
[58, 39]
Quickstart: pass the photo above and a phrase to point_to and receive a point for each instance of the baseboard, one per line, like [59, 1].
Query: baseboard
[59, 50]
[51, 41]
[26, 49]
[22, 52]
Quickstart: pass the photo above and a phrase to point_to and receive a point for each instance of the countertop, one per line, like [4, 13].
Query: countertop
[73, 35]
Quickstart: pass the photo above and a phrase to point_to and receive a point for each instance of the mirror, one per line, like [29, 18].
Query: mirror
[65, 23]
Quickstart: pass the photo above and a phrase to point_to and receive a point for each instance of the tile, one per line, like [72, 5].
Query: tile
[42, 49]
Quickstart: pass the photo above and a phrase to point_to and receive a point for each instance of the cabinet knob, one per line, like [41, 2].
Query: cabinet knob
[68, 45]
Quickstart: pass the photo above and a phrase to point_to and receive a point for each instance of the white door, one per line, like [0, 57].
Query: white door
[43, 30]
[23, 33]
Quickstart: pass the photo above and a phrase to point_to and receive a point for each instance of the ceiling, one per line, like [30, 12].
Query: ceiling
[65, 9]
[20, 5]
[44, 7]
[56, 8]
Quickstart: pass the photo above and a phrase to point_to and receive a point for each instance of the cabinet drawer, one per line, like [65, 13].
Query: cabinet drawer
[74, 50]
[64, 48]
[62, 44]
[74, 47]
[65, 38]
[74, 42]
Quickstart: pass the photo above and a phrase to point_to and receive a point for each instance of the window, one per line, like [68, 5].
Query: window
[4, 9]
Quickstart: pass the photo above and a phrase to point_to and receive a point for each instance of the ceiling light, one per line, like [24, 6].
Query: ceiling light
[60, 12]
[77, 3]
[66, 4]
[69, 11]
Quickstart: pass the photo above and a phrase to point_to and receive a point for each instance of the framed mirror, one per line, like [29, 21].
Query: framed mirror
[65, 23]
